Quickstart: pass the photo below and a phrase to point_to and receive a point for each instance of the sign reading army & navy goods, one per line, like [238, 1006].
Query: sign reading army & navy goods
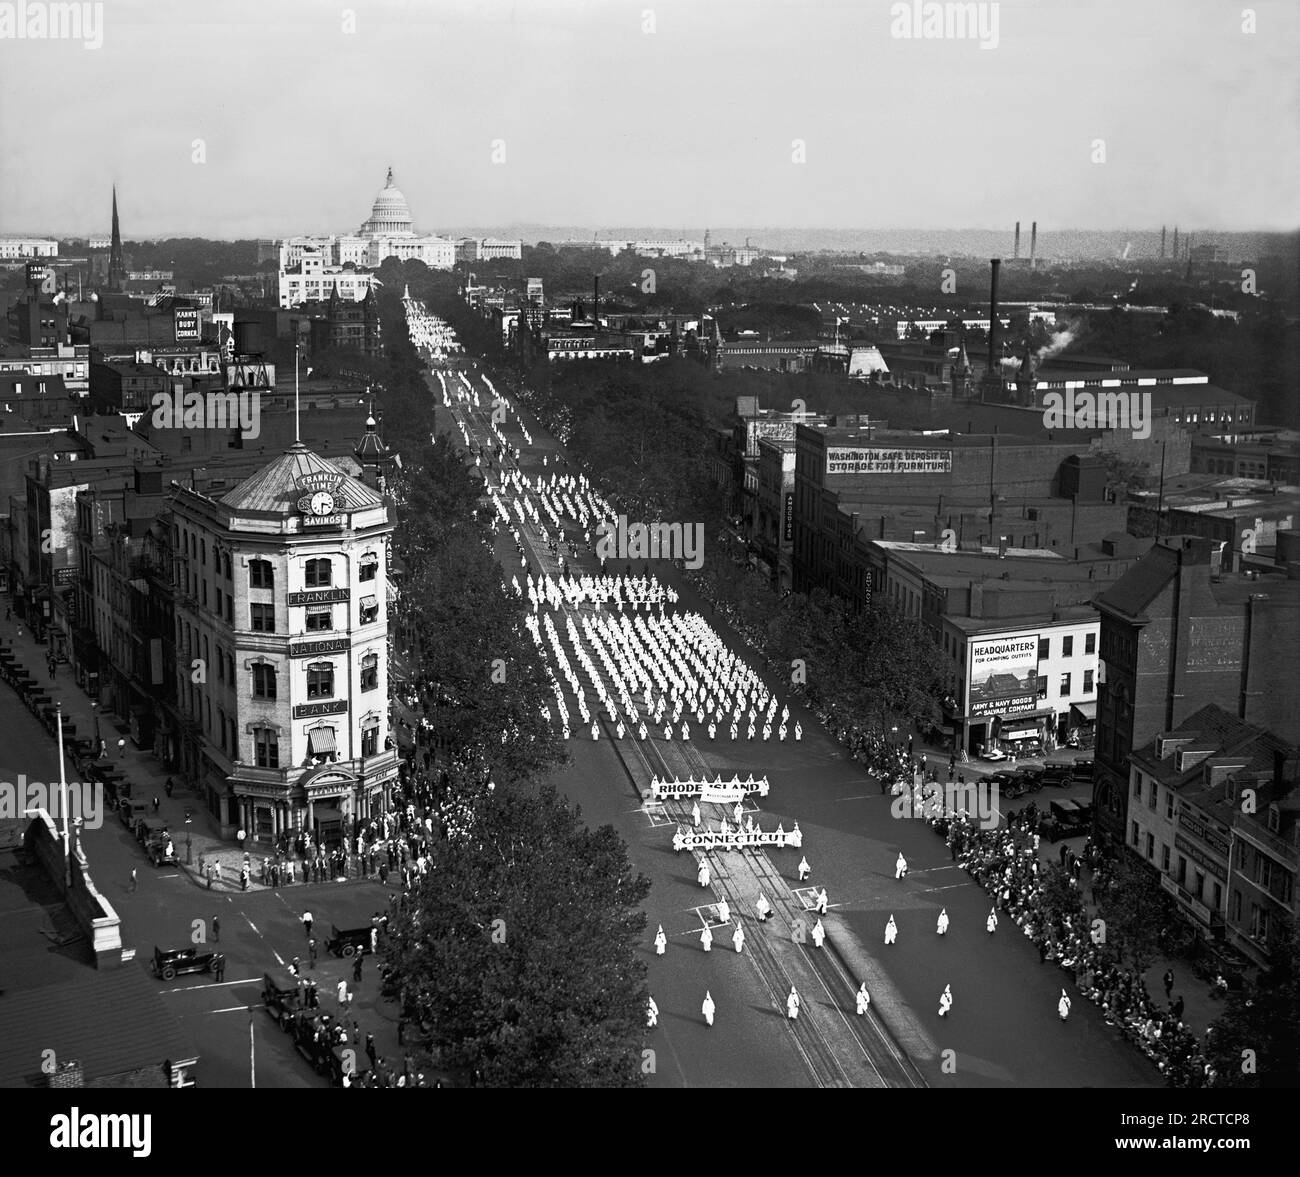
[881, 460]
[1002, 675]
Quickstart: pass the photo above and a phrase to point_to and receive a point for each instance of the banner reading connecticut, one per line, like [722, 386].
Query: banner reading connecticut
[1003, 675]
[883, 460]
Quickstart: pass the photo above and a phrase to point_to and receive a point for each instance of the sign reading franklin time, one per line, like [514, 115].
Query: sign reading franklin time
[321, 499]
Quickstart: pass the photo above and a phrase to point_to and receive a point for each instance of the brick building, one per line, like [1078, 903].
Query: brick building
[1177, 635]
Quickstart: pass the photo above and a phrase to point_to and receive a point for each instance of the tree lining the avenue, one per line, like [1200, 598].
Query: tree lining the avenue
[553, 993]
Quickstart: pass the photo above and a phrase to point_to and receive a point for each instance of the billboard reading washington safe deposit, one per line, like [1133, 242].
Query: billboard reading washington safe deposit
[1003, 675]
[881, 460]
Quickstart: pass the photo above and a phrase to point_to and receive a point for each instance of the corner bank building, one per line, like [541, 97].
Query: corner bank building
[282, 649]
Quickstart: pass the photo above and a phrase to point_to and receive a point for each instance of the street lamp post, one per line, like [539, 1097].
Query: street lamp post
[63, 803]
[94, 711]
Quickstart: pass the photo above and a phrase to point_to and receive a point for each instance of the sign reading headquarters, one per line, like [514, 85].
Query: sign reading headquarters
[1003, 675]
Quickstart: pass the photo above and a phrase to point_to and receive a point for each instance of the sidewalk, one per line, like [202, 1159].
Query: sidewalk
[143, 769]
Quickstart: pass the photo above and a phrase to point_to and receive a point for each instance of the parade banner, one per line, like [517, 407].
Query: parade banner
[880, 460]
[686, 839]
[717, 791]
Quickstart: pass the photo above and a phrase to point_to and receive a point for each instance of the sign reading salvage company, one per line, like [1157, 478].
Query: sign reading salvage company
[1003, 675]
[877, 460]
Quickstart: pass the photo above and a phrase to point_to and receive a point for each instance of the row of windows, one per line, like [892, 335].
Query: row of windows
[320, 678]
[320, 618]
[266, 744]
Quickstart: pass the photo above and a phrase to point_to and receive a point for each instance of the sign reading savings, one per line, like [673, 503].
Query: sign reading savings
[840, 460]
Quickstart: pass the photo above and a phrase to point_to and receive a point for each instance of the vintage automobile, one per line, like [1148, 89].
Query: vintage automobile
[1007, 783]
[130, 812]
[281, 996]
[1059, 775]
[1030, 778]
[167, 963]
[161, 849]
[1082, 770]
[350, 941]
[1068, 818]
[148, 828]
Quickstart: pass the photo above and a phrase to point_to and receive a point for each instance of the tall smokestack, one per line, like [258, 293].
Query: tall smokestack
[1017, 241]
[995, 265]
[1033, 243]
[1175, 243]
[1162, 243]
[595, 302]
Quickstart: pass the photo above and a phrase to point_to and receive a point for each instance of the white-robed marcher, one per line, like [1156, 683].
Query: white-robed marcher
[891, 930]
[652, 1013]
[661, 941]
[818, 934]
[992, 922]
[1063, 1006]
[792, 1004]
[708, 1008]
[724, 912]
[695, 814]
[763, 908]
[706, 939]
[820, 905]
[738, 938]
[702, 875]
[863, 999]
[595, 731]
[900, 867]
[942, 925]
[798, 731]
[945, 1001]
[804, 869]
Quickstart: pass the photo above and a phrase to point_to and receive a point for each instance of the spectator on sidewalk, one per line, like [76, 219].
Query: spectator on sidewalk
[133, 879]
[167, 788]
[216, 929]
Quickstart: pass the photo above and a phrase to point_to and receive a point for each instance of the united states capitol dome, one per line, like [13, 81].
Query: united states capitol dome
[390, 215]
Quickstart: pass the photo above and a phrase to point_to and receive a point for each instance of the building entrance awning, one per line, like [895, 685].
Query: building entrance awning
[1083, 712]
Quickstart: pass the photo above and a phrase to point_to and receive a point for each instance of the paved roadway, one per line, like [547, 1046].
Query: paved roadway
[1003, 1029]
[258, 929]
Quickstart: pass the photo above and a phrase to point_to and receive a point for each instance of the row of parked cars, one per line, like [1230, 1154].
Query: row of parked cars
[150, 832]
[1031, 778]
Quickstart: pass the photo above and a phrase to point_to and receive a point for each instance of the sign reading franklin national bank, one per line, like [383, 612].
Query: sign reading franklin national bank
[329, 646]
[320, 596]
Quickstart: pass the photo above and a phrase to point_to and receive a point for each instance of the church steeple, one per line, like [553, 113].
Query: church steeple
[116, 266]
[373, 455]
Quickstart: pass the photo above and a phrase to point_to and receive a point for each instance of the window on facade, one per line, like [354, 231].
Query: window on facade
[320, 680]
[230, 609]
[1169, 804]
[369, 566]
[225, 564]
[263, 681]
[1182, 871]
[263, 618]
[1087, 682]
[320, 619]
[1273, 818]
[261, 574]
[369, 610]
[267, 746]
[370, 741]
[1090, 643]
[1164, 858]
[317, 574]
[1151, 846]
[216, 560]
[1067, 646]
[370, 672]
[1137, 786]
[1136, 833]
[1152, 790]
[1065, 686]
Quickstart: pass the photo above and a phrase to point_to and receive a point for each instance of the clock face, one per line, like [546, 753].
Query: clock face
[322, 503]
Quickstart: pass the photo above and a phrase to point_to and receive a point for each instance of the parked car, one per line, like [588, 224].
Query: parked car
[1031, 778]
[147, 828]
[1068, 819]
[167, 963]
[1083, 770]
[349, 942]
[161, 850]
[1059, 775]
[130, 812]
[281, 996]
[1008, 784]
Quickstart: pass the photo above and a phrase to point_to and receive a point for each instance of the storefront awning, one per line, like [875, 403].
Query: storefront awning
[1084, 712]
[370, 602]
[320, 741]
[1020, 729]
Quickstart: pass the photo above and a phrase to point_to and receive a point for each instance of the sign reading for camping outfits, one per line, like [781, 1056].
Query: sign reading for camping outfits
[879, 460]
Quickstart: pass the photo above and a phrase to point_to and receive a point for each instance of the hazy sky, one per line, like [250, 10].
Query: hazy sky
[691, 124]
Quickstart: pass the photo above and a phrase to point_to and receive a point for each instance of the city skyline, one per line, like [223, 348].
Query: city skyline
[631, 114]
